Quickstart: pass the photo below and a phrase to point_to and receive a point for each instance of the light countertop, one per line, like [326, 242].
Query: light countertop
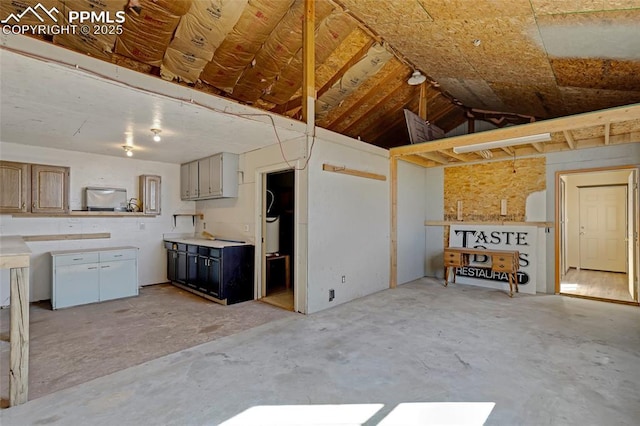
[204, 242]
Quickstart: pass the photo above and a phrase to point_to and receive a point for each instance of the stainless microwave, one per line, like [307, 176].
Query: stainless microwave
[106, 199]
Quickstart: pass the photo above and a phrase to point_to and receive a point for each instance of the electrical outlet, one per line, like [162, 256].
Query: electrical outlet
[332, 295]
[204, 225]
[344, 279]
[246, 228]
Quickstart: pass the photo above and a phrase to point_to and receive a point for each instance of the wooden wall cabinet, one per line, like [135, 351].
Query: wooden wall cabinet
[34, 188]
[150, 194]
[15, 189]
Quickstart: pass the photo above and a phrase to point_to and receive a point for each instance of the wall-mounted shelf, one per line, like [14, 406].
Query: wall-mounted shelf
[85, 214]
[505, 223]
[193, 217]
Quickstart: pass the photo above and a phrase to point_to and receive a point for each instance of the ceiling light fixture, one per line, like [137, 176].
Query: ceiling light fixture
[542, 137]
[416, 78]
[156, 135]
[128, 149]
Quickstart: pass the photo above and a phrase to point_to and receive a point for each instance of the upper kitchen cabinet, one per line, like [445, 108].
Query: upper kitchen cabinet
[34, 188]
[189, 181]
[219, 176]
[15, 191]
[216, 177]
[49, 189]
[150, 194]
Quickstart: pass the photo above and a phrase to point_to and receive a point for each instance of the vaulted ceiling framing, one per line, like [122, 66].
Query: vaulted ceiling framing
[503, 61]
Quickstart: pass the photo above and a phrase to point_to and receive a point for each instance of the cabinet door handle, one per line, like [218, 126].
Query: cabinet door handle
[106, 266]
[78, 258]
[93, 267]
[117, 255]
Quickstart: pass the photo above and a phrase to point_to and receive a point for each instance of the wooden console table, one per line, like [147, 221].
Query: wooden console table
[15, 255]
[501, 261]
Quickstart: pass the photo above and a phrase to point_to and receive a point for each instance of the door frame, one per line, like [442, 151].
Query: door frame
[260, 219]
[559, 199]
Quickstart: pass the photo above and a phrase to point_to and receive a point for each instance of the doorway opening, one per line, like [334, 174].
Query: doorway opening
[597, 234]
[278, 233]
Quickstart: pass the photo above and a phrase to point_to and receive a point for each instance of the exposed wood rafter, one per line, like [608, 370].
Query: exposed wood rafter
[382, 85]
[607, 133]
[569, 138]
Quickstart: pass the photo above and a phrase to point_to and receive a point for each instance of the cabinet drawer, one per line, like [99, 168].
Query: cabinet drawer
[108, 256]
[502, 263]
[452, 258]
[192, 249]
[182, 247]
[170, 246]
[75, 259]
[215, 252]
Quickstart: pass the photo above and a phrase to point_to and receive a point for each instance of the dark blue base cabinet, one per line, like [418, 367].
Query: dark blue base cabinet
[224, 275]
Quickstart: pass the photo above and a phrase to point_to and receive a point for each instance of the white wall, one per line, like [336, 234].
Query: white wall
[615, 155]
[348, 227]
[434, 244]
[573, 205]
[98, 170]
[412, 206]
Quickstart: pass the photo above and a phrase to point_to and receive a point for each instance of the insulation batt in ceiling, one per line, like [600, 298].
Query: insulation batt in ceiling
[98, 45]
[148, 28]
[330, 33]
[279, 49]
[238, 49]
[199, 34]
[367, 67]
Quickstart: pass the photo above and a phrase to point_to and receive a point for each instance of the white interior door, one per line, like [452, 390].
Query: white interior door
[632, 233]
[603, 228]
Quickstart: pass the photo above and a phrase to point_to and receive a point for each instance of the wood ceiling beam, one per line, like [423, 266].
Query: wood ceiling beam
[308, 64]
[418, 160]
[613, 115]
[366, 98]
[569, 138]
[459, 157]
[434, 156]
[297, 102]
[422, 105]
[409, 102]
[607, 133]
[365, 115]
[538, 146]
[507, 150]
[383, 127]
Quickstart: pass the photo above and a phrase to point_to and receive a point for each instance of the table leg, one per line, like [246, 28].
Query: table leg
[19, 336]
[515, 281]
[446, 276]
[510, 285]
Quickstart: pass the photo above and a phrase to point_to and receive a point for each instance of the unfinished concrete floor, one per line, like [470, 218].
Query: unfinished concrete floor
[543, 360]
[74, 345]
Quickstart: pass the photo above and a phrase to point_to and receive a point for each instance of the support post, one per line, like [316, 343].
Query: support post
[393, 279]
[19, 336]
[308, 68]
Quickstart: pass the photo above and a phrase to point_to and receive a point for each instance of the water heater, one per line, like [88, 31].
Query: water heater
[272, 240]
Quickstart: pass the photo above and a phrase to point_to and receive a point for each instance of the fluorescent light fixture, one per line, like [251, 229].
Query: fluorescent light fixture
[542, 137]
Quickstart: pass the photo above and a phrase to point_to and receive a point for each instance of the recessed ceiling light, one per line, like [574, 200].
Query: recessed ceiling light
[128, 149]
[156, 135]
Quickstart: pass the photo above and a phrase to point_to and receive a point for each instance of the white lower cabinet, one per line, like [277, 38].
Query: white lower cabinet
[95, 275]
